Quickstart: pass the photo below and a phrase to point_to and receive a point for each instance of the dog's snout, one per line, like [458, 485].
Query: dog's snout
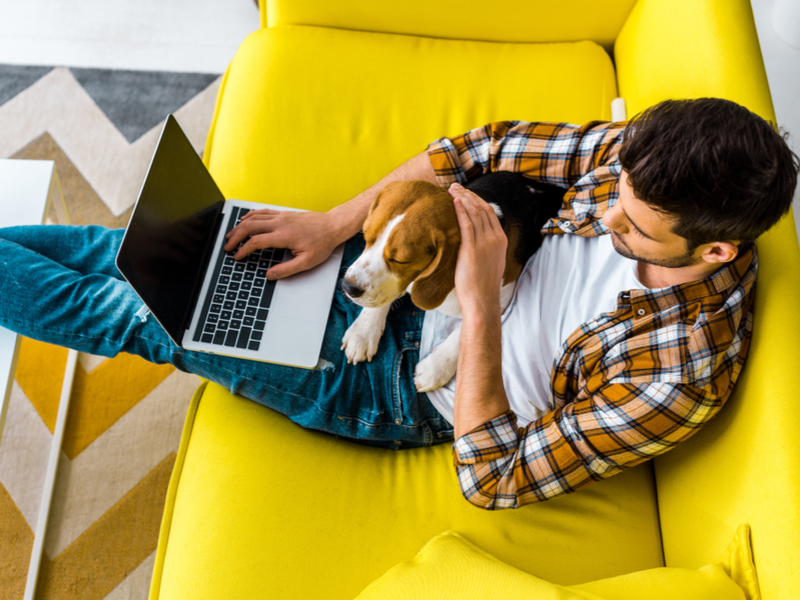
[351, 290]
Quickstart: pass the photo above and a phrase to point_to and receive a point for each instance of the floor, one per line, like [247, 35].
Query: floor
[201, 36]
[783, 72]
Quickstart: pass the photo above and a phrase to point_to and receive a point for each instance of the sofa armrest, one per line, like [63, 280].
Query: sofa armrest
[691, 49]
[743, 467]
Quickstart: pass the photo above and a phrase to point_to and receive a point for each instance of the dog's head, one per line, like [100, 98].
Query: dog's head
[411, 236]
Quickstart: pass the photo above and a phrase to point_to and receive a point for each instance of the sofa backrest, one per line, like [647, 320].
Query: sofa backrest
[497, 21]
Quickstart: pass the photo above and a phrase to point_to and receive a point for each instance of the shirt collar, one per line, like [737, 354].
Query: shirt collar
[740, 271]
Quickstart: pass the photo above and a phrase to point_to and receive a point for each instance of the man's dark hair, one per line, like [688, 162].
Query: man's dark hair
[722, 171]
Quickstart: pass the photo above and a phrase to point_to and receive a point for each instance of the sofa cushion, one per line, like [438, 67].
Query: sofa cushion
[437, 573]
[311, 116]
[259, 507]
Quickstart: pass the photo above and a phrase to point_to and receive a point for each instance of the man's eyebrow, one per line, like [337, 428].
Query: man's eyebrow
[639, 229]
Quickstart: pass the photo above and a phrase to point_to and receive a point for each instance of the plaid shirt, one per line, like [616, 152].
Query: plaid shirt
[628, 385]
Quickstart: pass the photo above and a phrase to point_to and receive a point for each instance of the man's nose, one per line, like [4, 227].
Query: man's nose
[351, 290]
[612, 219]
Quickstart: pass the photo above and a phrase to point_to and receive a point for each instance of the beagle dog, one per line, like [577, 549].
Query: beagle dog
[412, 238]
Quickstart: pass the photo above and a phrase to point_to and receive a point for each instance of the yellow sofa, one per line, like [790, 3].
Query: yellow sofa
[320, 103]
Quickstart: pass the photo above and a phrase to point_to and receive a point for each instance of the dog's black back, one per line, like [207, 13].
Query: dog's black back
[526, 206]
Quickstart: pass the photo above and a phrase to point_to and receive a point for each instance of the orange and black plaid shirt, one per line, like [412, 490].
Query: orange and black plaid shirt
[629, 384]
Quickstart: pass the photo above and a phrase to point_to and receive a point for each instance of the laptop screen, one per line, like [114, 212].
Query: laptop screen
[171, 231]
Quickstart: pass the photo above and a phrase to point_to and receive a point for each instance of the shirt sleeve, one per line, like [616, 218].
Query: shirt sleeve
[555, 153]
[502, 466]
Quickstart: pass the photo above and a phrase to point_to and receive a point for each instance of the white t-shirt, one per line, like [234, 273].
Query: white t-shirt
[569, 281]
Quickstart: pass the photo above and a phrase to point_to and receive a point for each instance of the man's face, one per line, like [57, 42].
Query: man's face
[639, 232]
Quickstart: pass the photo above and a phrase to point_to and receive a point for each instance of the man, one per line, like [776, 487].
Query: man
[637, 309]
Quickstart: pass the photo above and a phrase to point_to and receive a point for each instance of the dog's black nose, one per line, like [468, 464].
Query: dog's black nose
[351, 290]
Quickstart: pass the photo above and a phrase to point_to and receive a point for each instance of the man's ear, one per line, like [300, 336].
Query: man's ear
[433, 285]
[719, 252]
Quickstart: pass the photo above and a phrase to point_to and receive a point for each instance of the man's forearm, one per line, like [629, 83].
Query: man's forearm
[480, 394]
[350, 216]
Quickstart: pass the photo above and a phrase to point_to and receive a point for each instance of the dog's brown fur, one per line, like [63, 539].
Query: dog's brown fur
[423, 248]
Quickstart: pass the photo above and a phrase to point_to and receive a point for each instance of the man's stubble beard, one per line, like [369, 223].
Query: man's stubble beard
[677, 262]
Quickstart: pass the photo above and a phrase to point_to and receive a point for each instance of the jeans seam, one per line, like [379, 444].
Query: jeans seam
[397, 395]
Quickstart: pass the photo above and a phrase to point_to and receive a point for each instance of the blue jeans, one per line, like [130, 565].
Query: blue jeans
[59, 284]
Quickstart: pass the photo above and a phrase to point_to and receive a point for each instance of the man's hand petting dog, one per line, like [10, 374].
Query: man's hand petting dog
[309, 236]
[480, 265]
[481, 256]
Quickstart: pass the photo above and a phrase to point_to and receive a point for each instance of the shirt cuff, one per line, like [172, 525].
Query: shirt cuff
[491, 441]
[446, 163]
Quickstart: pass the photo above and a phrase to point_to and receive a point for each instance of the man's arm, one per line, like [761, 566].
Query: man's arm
[312, 236]
[582, 159]
[480, 395]
[502, 466]
[559, 154]
[554, 153]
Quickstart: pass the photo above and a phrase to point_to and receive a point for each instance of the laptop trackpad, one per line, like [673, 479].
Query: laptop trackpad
[307, 295]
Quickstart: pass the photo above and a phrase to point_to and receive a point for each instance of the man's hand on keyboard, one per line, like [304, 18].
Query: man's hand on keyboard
[309, 236]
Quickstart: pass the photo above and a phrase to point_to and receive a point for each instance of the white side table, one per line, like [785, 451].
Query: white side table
[27, 190]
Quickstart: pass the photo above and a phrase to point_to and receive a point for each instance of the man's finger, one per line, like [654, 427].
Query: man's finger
[474, 206]
[251, 227]
[259, 212]
[244, 230]
[299, 263]
[464, 222]
[477, 216]
[258, 242]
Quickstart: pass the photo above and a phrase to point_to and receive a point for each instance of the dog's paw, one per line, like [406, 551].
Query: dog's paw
[360, 341]
[435, 370]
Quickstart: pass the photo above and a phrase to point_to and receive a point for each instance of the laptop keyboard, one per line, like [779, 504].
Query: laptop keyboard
[235, 311]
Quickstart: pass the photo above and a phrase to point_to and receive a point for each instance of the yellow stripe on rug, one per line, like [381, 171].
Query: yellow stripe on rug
[114, 546]
[99, 398]
[16, 543]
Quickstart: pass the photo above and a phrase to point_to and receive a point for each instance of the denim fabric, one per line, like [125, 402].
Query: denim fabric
[59, 284]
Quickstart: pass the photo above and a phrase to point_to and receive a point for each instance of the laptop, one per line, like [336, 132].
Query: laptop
[172, 255]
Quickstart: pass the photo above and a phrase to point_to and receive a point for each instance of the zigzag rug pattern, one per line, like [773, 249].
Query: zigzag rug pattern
[126, 415]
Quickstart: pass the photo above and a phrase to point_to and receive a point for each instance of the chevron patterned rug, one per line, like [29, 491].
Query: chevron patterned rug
[124, 425]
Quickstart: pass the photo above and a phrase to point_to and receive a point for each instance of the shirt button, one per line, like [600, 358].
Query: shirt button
[416, 344]
[641, 312]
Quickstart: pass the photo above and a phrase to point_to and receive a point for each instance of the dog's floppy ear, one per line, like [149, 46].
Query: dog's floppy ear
[432, 286]
[388, 188]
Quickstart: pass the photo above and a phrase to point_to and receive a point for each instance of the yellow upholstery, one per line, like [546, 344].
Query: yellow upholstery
[691, 49]
[437, 573]
[313, 109]
[744, 466]
[370, 101]
[506, 21]
[266, 509]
